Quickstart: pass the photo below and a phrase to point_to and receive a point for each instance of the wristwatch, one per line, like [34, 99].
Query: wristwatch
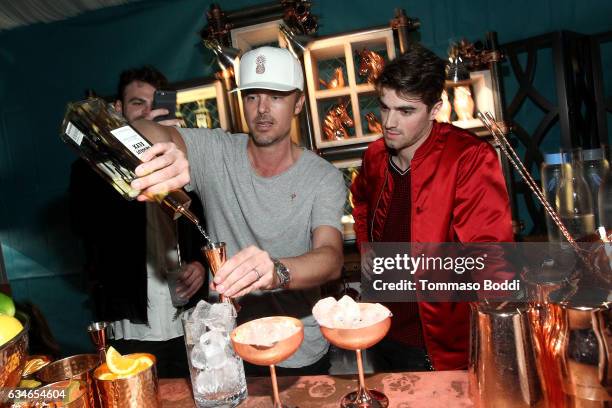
[282, 272]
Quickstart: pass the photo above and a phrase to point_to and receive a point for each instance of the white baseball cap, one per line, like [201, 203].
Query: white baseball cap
[270, 68]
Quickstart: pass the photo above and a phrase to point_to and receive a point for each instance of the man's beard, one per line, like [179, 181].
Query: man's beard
[264, 140]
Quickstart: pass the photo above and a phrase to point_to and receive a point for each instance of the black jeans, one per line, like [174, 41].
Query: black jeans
[171, 354]
[320, 367]
[390, 356]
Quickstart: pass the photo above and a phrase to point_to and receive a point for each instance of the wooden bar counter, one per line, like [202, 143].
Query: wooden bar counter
[444, 389]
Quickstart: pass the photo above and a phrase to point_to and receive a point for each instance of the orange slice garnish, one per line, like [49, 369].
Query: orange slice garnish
[119, 364]
[144, 362]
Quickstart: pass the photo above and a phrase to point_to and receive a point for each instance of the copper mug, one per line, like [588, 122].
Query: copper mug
[136, 391]
[77, 367]
[583, 353]
[502, 371]
[65, 393]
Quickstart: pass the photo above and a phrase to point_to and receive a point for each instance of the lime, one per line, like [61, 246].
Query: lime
[7, 306]
[9, 328]
[27, 383]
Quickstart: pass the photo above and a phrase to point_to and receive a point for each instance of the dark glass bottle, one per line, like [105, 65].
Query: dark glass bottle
[113, 148]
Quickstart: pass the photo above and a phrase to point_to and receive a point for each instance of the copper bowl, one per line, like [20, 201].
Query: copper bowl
[357, 339]
[13, 355]
[269, 355]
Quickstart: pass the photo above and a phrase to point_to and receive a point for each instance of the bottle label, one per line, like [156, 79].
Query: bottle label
[131, 140]
[74, 133]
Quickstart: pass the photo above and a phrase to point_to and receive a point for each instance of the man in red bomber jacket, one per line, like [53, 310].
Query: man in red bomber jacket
[426, 182]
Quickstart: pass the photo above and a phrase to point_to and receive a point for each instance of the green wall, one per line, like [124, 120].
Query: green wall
[46, 65]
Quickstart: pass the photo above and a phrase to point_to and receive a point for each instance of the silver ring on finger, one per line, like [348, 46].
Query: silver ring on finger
[257, 273]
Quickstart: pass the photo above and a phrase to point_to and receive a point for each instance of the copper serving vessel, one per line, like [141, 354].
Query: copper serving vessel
[13, 356]
[359, 339]
[136, 391]
[77, 367]
[269, 355]
[583, 353]
[502, 369]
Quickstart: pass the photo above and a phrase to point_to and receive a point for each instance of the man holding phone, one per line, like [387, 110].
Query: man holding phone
[138, 96]
[131, 248]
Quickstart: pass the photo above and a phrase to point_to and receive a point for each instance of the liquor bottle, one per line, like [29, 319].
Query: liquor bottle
[605, 196]
[113, 148]
[573, 198]
[203, 117]
[595, 167]
[550, 174]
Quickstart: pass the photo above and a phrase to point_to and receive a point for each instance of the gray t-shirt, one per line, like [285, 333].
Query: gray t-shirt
[277, 214]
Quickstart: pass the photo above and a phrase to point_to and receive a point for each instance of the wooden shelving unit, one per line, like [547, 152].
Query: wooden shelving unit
[321, 58]
[481, 85]
[211, 96]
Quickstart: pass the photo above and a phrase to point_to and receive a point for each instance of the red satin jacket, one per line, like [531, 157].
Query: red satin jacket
[458, 195]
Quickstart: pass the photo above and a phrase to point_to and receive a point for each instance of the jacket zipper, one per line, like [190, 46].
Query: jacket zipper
[377, 203]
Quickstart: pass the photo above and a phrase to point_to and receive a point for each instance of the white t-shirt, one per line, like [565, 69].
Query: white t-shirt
[161, 257]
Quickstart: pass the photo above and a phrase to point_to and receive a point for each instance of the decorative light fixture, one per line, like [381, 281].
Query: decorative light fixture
[296, 43]
[226, 56]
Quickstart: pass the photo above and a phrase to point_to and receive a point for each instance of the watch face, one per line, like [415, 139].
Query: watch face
[282, 272]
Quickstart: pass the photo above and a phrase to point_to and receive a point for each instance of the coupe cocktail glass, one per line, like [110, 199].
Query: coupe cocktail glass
[271, 354]
[359, 339]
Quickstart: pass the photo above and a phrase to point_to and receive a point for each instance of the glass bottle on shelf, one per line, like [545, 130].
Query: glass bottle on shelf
[104, 139]
[605, 195]
[550, 173]
[595, 167]
[202, 114]
[573, 198]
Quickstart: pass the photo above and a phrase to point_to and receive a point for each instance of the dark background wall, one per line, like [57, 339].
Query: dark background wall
[44, 66]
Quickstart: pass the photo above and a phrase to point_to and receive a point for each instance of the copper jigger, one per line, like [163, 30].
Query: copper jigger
[98, 333]
[216, 256]
[269, 355]
[360, 339]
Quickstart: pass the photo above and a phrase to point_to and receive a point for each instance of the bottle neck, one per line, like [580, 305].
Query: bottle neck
[176, 203]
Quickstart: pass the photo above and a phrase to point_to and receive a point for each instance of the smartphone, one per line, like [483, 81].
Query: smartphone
[166, 100]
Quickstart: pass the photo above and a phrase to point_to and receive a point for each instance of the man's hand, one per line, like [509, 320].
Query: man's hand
[161, 112]
[191, 280]
[165, 168]
[249, 270]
